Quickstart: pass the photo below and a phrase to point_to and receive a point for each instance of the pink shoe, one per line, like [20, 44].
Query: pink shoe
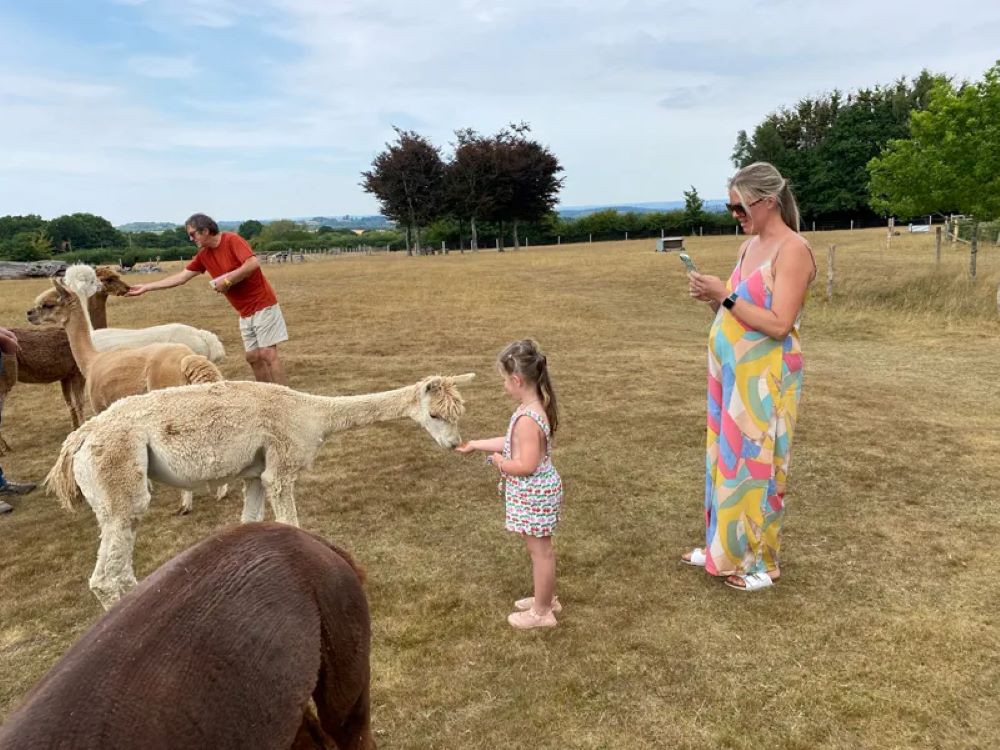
[531, 619]
[527, 603]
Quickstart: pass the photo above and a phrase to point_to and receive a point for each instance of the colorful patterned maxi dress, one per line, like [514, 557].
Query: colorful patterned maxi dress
[532, 502]
[754, 383]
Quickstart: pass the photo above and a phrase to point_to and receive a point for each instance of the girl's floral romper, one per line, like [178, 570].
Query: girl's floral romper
[533, 502]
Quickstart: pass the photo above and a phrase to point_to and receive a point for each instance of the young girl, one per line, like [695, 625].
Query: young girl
[531, 485]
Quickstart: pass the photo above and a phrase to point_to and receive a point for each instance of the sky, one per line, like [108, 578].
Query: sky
[151, 110]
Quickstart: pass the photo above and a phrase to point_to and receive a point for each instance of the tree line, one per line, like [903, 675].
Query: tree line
[928, 145]
[919, 147]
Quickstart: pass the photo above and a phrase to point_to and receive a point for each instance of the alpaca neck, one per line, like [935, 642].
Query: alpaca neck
[78, 331]
[344, 412]
[97, 313]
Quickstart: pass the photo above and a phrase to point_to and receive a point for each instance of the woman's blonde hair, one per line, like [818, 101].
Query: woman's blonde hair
[525, 359]
[763, 180]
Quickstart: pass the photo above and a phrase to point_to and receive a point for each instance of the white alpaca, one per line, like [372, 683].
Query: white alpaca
[206, 435]
[82, 279]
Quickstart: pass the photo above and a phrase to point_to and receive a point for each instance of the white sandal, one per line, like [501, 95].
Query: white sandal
[751, 582]
[697, 558]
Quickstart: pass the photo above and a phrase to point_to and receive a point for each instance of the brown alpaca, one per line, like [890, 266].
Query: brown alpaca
[222, 647]
[45, 356]
[118, 373]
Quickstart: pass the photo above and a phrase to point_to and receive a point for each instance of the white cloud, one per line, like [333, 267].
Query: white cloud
[638, 98]
[159, 66]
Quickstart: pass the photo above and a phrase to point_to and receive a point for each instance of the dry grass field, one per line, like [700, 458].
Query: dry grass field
[882, 633]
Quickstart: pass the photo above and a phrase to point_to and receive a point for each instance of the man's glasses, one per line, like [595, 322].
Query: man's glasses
[739, 209]
[191, 235]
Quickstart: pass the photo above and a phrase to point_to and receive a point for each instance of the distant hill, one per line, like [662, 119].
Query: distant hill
[147, 226]
[380, 222]
[574, 212]
[312, 222]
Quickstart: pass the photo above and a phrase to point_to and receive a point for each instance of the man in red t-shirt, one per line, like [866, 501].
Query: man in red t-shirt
[235, 272]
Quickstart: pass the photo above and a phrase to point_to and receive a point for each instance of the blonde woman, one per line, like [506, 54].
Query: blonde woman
[754, 381]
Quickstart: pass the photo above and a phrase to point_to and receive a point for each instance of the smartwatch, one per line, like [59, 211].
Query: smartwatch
[729, 301]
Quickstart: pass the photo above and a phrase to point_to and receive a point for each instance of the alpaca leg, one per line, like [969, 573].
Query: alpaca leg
[221, 492]
[281, 496]
[113, 576]
[112, 475]
[253, 501]
[355, 732]
[187, 502]
[72, 390]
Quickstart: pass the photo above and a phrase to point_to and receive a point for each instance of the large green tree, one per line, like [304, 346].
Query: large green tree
[951, 160]
[28, 246]
[12, 225]
[823, 145]
[81, 230]
[250, 229]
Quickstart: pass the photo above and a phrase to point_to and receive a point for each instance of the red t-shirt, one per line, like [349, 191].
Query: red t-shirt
[252, 294]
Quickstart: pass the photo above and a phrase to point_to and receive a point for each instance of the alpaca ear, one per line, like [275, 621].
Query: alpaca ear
[466, 378]
[432, 383]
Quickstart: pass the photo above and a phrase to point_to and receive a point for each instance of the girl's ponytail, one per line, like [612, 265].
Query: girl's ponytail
[548, 395]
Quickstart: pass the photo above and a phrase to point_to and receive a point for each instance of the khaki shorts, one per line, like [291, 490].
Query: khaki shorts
[264, 328]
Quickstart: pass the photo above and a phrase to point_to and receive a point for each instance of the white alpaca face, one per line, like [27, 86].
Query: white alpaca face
[440, 409]
[444, 433]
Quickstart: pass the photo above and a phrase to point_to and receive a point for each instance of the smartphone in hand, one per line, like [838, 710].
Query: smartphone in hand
[688, 263]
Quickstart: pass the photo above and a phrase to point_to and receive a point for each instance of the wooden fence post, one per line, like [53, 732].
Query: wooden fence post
[974, 248]
[829, 272]
[937, 246]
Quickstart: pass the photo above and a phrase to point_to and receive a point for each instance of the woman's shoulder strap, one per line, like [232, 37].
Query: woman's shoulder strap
[796, 239]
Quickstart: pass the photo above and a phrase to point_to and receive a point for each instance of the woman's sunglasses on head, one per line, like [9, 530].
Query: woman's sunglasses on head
[739, 209]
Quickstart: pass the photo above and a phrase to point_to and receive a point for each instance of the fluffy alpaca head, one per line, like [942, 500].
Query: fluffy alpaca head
[82, 279]
[53, 305]
[112, 282]
[440, 406]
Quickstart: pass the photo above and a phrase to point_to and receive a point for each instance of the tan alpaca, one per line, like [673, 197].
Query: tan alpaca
[85, 282]
[117, 373]
[45, 356]
[208, 434]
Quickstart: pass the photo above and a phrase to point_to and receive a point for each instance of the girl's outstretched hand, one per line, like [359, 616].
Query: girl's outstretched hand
[464, 448]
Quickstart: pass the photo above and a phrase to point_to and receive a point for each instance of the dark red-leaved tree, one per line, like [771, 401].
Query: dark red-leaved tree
[408, 181]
